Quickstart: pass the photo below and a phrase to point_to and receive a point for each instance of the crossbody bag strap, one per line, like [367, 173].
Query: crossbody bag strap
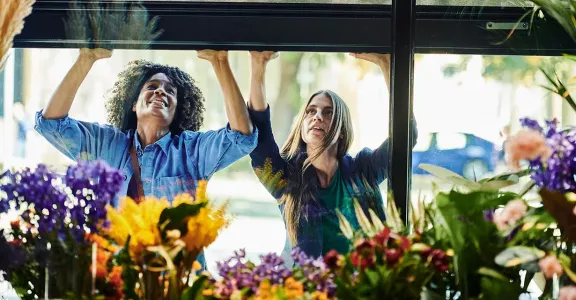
[136, 168]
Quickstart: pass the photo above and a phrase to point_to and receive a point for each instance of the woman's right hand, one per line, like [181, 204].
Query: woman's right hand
[262, 57]
[95, 54]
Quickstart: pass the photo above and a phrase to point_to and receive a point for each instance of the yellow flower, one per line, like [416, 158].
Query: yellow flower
[182, 198]
[294, 289]
[264, 291]
[319, 295]
[204, 228]
[140, 221]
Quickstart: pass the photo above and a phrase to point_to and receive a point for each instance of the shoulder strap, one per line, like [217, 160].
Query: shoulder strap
[136, 177]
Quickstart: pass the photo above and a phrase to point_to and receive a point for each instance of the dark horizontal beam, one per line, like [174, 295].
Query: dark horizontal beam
[316, 27]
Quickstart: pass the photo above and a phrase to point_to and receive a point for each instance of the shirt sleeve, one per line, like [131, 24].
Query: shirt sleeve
[267, 163]
[83, 140]
[214, 150]
[374, 163]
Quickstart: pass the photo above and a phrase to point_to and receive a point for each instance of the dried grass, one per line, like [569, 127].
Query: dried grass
[12, 14]
[110, 25]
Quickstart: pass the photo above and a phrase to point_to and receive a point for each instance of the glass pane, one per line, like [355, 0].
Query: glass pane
[495, 3]
[467, 105]
[290, 81]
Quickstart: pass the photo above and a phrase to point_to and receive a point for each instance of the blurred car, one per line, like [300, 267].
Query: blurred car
[465, 154]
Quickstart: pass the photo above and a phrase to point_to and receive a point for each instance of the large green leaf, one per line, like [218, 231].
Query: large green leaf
[195, 291]
[177, 217]
[515, 256]
[471, 236]
[561, 11]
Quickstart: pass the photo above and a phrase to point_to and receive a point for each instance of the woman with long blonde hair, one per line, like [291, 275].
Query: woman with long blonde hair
[313, 175]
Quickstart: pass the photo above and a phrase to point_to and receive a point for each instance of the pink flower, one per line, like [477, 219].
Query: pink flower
[512, 212]
[574, 210]
[549, 265]
[567, 293]
[527, 144]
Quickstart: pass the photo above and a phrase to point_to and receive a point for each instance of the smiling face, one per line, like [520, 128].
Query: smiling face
[157, 101]
[317, 120]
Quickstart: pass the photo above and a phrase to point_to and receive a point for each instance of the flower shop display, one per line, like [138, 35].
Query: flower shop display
[162, 241]
[67, 242]
[47, 251]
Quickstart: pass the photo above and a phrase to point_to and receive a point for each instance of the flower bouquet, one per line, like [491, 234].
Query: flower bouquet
[386, 260]
[160, 242]
[308, 279]
[47, 250]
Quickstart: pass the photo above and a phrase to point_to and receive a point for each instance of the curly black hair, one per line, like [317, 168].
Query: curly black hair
[189, 113]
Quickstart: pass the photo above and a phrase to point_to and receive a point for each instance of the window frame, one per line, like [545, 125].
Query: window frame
[402, 29]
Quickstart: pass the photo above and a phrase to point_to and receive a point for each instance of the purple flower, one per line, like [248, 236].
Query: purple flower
[66, 205]
[530, 123]
[557, 172]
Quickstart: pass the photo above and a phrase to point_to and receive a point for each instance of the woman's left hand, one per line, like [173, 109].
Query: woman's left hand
[213, 55]
[380, 59]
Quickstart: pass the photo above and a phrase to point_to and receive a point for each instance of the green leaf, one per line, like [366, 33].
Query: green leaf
[561, 12]
[195, 291]
[496, 185]
[176, 217]
[492, 273]
[449, 176]
[515, 256]
[493, 288]
[373, 277]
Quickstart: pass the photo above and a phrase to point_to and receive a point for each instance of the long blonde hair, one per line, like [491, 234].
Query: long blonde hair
[299, 194]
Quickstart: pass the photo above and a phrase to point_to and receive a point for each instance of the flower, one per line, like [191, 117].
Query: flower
[293, 289]
[115, 279]
[550, 266]
[364, 254]
[512, 212]
[555, 168]
[333, 259]
[139, 221]
[204, 228]
[567, 293]
[528, 144]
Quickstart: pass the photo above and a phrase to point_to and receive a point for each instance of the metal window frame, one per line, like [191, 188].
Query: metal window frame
[402, 29]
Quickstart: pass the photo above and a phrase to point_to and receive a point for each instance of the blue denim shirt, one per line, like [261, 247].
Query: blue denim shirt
[172, 165]
[361, 174]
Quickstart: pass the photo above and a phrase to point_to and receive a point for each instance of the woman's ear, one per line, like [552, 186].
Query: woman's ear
[134, 107]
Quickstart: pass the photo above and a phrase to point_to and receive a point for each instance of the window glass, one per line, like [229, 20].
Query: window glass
[291, 79]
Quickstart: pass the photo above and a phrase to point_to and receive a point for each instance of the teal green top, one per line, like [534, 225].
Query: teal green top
[335, 196]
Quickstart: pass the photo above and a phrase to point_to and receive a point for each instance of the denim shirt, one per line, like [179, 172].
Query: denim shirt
[361, 175]
[172, 165]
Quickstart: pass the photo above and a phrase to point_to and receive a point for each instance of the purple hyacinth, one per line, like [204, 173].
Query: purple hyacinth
[46, 197]
[558, 171]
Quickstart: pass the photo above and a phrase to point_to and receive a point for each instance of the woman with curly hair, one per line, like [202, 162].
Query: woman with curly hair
[312, 176]
[155, 112]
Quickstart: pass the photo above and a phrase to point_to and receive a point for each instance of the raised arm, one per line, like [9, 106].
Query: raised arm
[235, 106]
[61, 101]
[269, 166]
[375, 162]
[258, 62]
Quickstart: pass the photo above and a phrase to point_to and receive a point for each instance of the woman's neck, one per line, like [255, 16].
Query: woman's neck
[150, 134]
[326, 165]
